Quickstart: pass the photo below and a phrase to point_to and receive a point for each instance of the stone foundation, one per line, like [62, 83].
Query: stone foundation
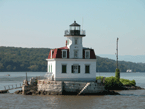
[28, 90]
[69, 87]
[76, 87]
[52, 87]
[45, 87]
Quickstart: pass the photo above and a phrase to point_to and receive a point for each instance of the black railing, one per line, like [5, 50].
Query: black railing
[75, 32]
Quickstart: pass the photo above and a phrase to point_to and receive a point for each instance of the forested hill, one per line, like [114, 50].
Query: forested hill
[34, 59]
[23, 59]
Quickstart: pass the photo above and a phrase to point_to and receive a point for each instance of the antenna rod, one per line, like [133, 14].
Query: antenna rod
[82, 23]
[117, 53]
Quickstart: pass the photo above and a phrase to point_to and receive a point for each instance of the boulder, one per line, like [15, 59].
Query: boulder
[37, 92]
[109, 92]
[34, 93]
[54, 93]
[28, 93]
[44, 93]
[18, 92]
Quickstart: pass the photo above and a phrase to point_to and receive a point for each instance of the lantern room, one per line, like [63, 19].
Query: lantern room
[74, 30]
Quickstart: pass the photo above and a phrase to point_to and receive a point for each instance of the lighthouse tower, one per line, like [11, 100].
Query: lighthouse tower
[72, 62]
[74, 40]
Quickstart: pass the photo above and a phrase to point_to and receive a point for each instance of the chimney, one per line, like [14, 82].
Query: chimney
[66, 43]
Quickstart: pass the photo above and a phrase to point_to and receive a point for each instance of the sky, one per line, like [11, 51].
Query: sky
[41, 24]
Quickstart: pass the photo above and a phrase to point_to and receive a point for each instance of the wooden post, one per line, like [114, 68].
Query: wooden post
[26, 76]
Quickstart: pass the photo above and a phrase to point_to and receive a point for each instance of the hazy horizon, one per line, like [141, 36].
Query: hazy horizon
[127, 58]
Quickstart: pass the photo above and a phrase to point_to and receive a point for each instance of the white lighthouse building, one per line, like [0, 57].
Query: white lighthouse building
[72, 62]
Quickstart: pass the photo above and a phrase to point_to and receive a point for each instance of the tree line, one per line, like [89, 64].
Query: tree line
[34, 59]
[23, 59]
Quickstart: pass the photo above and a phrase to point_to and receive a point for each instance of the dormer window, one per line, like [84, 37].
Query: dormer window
[75, 53]
[64, 53]
[87, 54]
[76, 41]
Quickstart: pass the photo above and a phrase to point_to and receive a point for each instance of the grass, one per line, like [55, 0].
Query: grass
[114, 83]
[127, 82]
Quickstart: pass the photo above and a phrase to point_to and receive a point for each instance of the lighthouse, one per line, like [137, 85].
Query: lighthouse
[73, 62]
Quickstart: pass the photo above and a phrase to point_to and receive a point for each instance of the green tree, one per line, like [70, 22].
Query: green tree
[1, 67]
[9, 67]
[21, 59]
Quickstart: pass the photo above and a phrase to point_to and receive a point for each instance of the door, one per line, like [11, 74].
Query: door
[75, 68]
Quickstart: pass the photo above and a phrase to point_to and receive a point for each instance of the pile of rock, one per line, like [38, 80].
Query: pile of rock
[106, 92]
[3, 91]
[35, 92]
[126, 87]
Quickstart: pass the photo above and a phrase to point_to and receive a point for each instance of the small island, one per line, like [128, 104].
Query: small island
[117, 83]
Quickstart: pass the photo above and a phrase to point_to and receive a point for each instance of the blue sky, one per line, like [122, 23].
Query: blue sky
[41, 23]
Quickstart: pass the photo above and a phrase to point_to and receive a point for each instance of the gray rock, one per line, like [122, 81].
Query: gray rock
[53, 93]
[18, 92]
[44, 93]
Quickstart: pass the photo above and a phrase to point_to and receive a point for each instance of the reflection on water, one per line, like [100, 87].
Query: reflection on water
[14, 101]
[130, 99]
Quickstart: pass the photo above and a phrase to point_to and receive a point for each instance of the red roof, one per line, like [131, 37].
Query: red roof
[64, 47]
[57, 53]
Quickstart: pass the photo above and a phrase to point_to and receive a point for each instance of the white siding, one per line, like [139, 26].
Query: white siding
[74, 76]
[73, 46]
[53, 68]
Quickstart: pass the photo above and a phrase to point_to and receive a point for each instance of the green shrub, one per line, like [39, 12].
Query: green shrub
[99, 77]
[112, 83]
[127, 82]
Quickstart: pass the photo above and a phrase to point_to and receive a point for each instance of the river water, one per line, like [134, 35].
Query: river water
[130, 99]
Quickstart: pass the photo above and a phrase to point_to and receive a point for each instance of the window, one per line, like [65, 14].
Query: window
[75, 53]
[49, 68]
[87, 54]
[87, 68]
[74, 28]
[64, 53]
[76, 41]
[75, 68]
[64, 68]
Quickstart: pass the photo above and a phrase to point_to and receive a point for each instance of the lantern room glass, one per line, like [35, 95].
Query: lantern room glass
[74, 27]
